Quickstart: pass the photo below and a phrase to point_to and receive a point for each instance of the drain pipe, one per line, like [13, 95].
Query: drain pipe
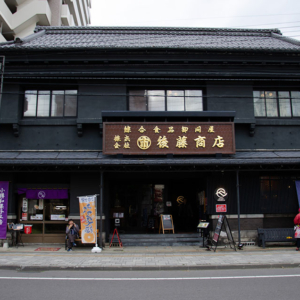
[238, 204]
[101, 208]
[1, 77]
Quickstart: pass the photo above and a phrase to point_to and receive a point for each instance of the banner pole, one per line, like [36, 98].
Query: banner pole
[238, 205]
[96, 204]
[96, 249]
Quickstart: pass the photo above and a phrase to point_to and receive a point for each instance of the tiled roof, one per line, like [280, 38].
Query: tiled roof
[77, 38]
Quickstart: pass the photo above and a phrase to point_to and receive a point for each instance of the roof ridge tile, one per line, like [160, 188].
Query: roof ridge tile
[169, 29]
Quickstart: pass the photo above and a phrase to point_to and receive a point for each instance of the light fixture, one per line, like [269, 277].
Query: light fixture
[270, 94]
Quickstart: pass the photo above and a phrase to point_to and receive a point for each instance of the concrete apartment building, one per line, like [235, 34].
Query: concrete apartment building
[18, 18]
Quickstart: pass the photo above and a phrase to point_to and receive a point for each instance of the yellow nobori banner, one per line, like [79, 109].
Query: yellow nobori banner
[87, 205]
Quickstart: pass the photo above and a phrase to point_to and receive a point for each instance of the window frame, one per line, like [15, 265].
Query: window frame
[277, 103]
[165, 90]
[50, 103]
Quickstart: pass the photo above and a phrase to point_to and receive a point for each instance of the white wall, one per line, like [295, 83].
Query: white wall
[20, 17]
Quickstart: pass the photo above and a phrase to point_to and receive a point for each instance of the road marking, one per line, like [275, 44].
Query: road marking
[151, 279]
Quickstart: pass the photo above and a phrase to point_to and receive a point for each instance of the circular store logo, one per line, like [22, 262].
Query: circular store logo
[144, 142]
[41, 194]
[220, 194]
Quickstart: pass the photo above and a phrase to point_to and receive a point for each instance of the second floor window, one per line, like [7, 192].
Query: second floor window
[165, 100]
[276, 104]
[55, 103]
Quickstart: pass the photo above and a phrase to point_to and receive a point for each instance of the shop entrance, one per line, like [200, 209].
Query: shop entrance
[47, 217]
[135, 208]
[187, 205]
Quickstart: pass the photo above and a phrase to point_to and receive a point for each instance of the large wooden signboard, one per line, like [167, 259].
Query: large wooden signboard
[222, 222]
[161, 138]
[166, 223]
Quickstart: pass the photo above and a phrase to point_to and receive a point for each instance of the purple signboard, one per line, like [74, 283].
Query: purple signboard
[45, 194]
[3, 208]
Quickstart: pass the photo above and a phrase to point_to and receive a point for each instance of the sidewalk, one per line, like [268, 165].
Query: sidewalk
[147, 258]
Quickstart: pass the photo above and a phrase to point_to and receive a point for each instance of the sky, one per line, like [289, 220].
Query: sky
[281, 14]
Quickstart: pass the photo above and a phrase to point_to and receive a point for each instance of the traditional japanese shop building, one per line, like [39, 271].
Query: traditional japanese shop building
[179, 121]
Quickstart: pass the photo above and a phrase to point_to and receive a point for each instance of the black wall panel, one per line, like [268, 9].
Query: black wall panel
[83, 184]
[231, 97]
[11, 103]
[98, 97]
[267, 137]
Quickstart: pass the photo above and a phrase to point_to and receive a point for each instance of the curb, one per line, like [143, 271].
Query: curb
[150, 268]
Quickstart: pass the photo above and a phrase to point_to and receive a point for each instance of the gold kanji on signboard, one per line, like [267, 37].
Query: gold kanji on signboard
[126, 145]
[156, 129]
[211, 129]
[171, 129]
[117, 138]
[181, 142]
[219, 142]
[142, 129]
[200, 141]
[127, 129]
[198, 129]
[162, 142]
[168, 137]
[184, 129]
[117, 145]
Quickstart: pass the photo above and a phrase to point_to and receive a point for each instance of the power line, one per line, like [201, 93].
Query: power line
[292, 30]
[228, 17]
[267, 24]
[289, 27]
[279, 27]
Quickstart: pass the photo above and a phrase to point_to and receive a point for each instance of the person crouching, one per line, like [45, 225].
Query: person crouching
[72, 233]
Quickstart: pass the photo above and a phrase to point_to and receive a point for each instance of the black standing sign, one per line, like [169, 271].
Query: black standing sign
[222, 222]
[166, 223]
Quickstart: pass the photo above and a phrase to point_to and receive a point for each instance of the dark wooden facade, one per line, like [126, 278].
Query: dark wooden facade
[103, 79]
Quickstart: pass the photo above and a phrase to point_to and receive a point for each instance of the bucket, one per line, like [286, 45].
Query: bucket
[27, 229]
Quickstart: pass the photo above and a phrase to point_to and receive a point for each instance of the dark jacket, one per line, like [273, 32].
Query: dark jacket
[74, 230]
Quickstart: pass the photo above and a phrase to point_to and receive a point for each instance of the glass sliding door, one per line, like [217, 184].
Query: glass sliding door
[48, 218]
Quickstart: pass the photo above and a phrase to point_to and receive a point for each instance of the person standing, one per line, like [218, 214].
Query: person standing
[72, 232]
[297, 230]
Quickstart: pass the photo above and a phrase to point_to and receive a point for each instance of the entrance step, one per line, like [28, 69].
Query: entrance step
[192, 239]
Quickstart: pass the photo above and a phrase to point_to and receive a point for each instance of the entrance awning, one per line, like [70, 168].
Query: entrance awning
[78, 160]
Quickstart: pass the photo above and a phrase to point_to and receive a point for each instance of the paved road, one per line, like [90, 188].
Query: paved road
[263, 284]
